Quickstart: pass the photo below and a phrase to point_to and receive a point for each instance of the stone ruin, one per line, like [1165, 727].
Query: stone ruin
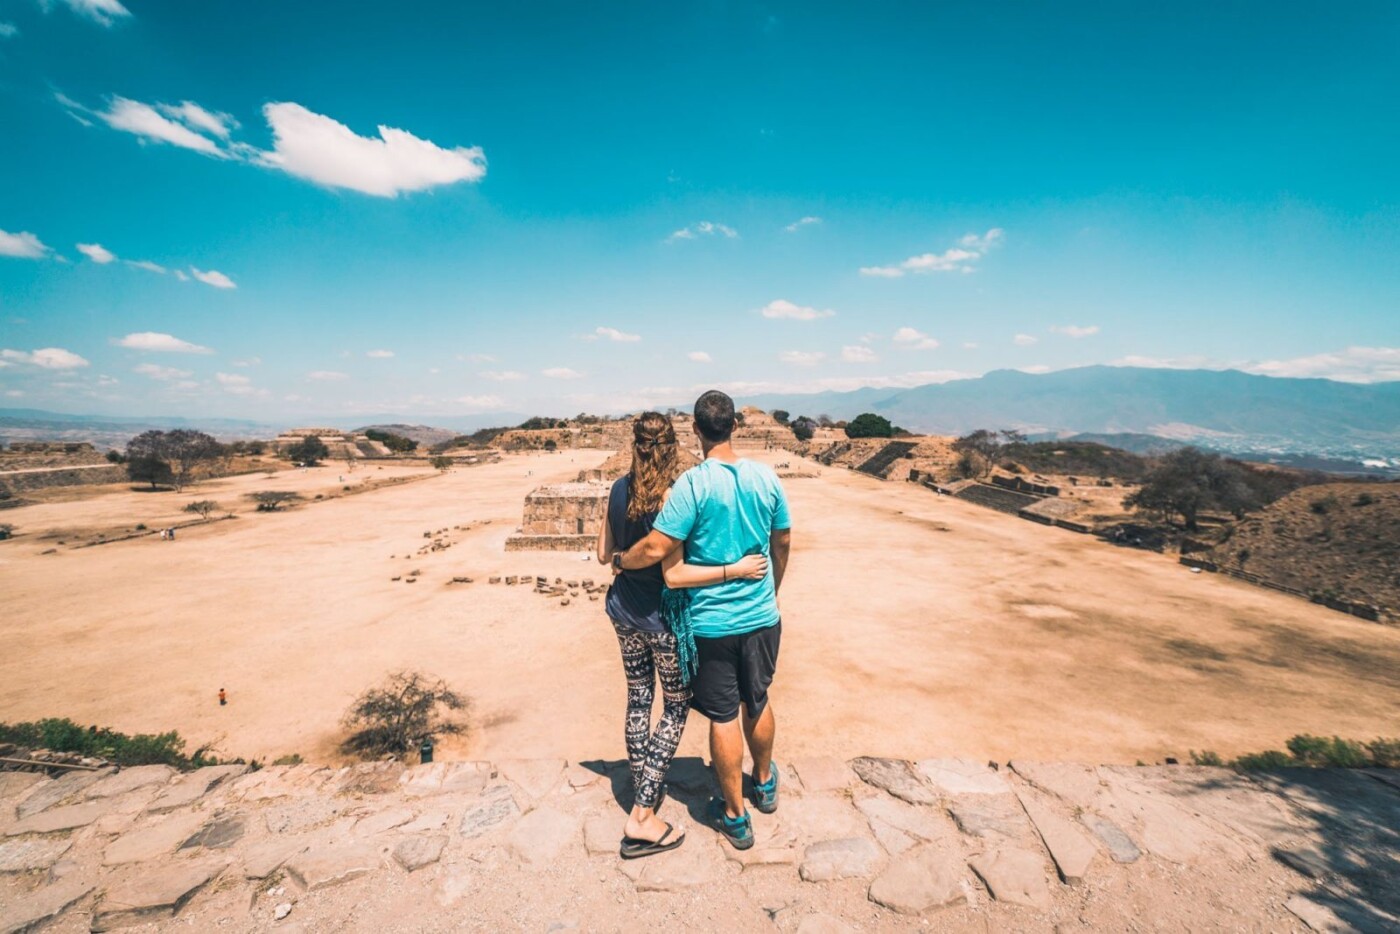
[338, 443]
[561, 517]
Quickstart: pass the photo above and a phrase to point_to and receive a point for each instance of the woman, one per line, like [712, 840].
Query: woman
[648, 647]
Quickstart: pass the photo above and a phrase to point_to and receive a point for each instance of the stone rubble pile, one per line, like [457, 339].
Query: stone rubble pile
[872, 842]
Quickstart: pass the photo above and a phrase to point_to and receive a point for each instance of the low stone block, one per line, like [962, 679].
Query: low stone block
[962, 777]
[897, 777]
[844, 858]
[192, 786]
[152, 894]
[1014, 876]
[34, 910]
[919, 881]
[542, 836]
[331, 864]
[413, 853]
[32, 853]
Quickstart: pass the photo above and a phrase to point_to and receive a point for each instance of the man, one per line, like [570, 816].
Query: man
[723, 509]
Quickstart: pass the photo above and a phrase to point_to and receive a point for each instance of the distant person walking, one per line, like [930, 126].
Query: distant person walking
[649, 649]
[724, 510]
[223, 697]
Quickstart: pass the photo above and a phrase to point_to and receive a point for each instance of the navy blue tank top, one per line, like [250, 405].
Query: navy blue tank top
[634, 599]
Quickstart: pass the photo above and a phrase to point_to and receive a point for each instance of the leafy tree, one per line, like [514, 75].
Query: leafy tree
[408, 708]
[205, 507]
[824, 421]
[116, 457]
[441, 463]
[540, 422]
[780, 416]
[149, 469]
[185, 451]
[310, 451]
[803, 428]
[986, 447]
[396, 443]
[869, 425]
[273, 500]
[1190, 481]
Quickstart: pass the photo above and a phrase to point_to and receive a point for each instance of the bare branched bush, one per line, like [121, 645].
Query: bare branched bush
[409, 707]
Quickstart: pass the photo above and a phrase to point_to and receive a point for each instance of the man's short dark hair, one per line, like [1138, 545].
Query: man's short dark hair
[714, 416]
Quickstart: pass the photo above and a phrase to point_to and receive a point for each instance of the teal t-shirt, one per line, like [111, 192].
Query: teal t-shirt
[723, 512]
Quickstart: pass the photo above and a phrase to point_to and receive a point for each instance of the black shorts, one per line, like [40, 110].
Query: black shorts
[733, 669]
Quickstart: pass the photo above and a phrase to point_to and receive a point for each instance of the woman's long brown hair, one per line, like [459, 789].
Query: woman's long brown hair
[655, 464]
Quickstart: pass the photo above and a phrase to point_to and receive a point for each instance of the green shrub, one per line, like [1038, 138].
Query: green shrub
[1385, 753]
[1206, 758]
[293, 759]
[1363, 499]
[1264, 761]
[1336, 752]
[63, 735]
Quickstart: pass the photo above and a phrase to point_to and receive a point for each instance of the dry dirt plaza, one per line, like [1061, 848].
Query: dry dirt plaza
[915, 625]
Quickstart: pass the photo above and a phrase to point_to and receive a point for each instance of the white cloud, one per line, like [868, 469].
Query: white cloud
[149, 123]
[326, 376]
[146, 265]
[180, 274]
[961, 258]
[858, 353]
[248, 361]
[213, 277]
[160, 343]
[8, 30]
[1351, 365]
[802, 357]
[1074, 330]
[239, 385]
[613, 334]
[704, 228]
[480, 402]
[96, 252]
[22, 245]
[801, 222]
[502, 376]
[839, 383]
[1024, 340]
[969, 345]
[1036, 370]
[156, 371]
[197, 118]
[105, 12]
[46, 358]
[699, 356]
[379, 354]
[319, 149]
[912, 339]
[562, 372]
[782, 308]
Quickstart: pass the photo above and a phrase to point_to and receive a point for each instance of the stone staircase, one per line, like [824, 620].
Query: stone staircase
[887, 455]
[998, 498]
[868, 844]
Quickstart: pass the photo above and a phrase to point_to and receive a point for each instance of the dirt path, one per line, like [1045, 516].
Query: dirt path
[915, 625]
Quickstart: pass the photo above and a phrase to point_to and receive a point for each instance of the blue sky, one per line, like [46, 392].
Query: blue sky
[279, 210]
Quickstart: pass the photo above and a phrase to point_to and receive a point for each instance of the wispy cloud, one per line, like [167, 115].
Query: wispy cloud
[912, 339]
[1024, 340]
[502, 376]
[8, 30]
[703, 229]
[379, 354]
[1348, 365]
[163, 373]
[699, 356]
[782, 308]
[802, 357]
[562, 372]
[305, 144]
[159, 343]
[45, 358]
[96, 252]
[22, 245]
[961, 258]
[326, 376]
[239, 385]
[213, 277]
[1074, 330]
[105, 12]
[248, 361]
[613, 334]
[858, 353]
[801, 222]
[480, 402]
[146, 265]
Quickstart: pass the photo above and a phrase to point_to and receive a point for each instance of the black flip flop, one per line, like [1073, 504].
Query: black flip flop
[635, 849]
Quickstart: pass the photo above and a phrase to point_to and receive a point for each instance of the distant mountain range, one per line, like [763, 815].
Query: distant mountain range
[1223, 409]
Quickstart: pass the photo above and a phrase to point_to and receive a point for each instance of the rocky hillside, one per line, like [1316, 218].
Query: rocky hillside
[1336, 539]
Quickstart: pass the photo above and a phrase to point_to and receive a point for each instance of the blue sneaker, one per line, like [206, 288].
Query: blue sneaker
[737, 830]
[765, 794]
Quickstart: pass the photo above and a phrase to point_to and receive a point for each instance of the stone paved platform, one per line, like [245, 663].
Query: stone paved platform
[869, 844]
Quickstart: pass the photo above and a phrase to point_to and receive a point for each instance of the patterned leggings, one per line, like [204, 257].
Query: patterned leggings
[644, 656]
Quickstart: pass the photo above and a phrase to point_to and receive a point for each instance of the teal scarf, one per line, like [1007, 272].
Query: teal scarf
[675, 610]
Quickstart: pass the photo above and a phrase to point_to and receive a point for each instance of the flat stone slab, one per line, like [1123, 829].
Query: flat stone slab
[1317, 917]
[130, 779]
[262, 859]
[696, 862]
[1014, 875]
[152, 841]
[426, 822]
[823, 773]
[991, 817]
[370, 778]
[192, 786]
[776, 845]
[602, 834]
[1080, 785]
[495, 808]
[67, 817]
[823, 817]
[897, 777]
[962, 777]
[843, 858]
[220, 833]
[438, 778]
[321, 867]
[383, 821]
[919, 881]
[1120, 846]
[48, 793]
[1071, 848]
[32, 853]
[151, 894]
[542, 836]
[1168, 829]
[921, 823]
[36, 908]
[823, 924]
[536, 777]
[413, 853]
[13, 784]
